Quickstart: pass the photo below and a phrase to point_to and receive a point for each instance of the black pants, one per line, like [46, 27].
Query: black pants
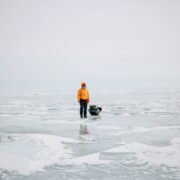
[83, 108]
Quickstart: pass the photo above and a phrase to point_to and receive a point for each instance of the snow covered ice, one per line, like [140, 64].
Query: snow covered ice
[137, 136]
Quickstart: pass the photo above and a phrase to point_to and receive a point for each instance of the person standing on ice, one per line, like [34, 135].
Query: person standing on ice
[83, 99]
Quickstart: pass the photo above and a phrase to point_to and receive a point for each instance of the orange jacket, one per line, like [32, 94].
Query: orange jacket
[83, 94]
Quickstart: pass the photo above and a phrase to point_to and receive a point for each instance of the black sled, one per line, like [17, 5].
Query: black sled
[94, 110]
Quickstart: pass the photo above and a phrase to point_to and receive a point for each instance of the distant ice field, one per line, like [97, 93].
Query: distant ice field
[137, 136]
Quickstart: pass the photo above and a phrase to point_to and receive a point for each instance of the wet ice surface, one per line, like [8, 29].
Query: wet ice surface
[137, 136]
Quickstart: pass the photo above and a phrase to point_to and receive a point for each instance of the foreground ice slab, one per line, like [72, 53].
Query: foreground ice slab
[139, 153]
[26, 153]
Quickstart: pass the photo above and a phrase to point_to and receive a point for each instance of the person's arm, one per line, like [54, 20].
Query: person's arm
[78, 96]
[88, 96]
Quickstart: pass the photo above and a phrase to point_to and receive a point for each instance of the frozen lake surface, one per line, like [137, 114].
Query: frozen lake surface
[137, 136]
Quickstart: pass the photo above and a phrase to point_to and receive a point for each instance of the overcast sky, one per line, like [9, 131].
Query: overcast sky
[107, 43]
